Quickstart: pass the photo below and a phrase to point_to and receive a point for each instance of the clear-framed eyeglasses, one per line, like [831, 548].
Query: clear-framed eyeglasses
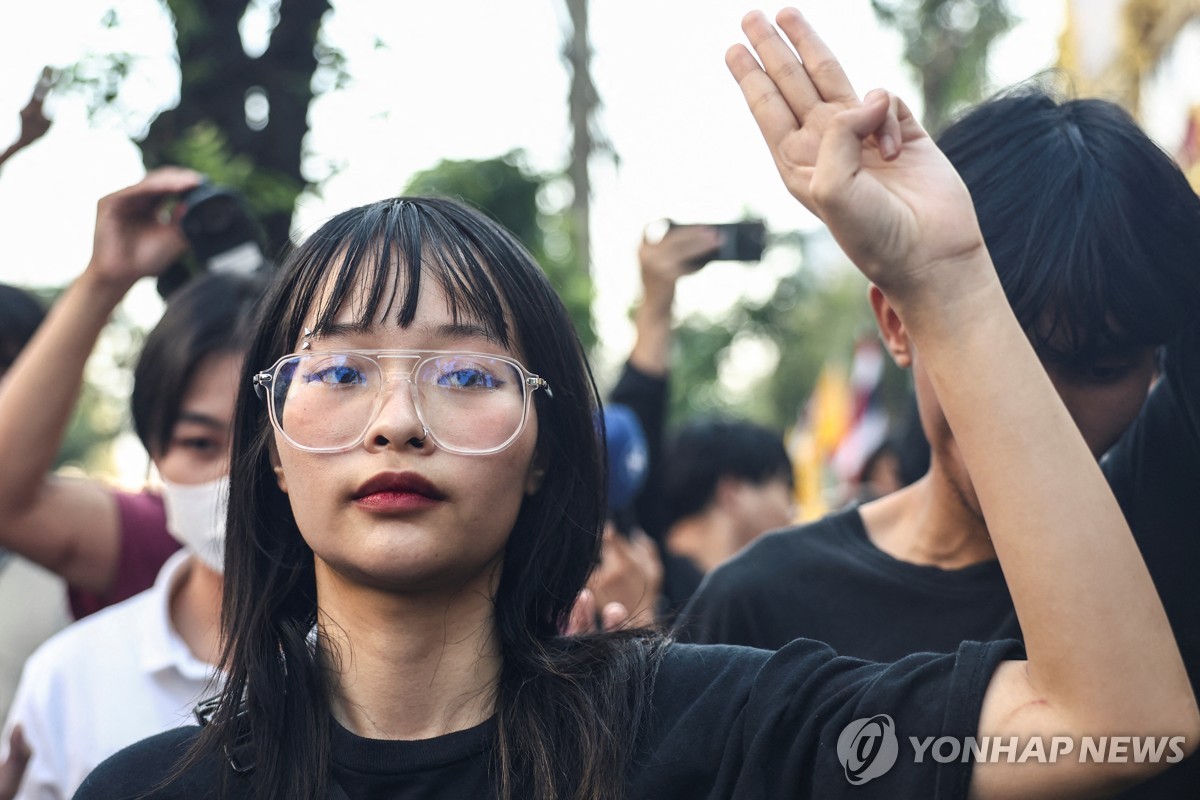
[469, 403]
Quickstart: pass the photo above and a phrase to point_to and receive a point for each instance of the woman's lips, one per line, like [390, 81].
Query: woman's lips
[395, 502]
[397, 492]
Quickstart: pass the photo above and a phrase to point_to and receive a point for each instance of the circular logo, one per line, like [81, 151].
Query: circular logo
[868, 748]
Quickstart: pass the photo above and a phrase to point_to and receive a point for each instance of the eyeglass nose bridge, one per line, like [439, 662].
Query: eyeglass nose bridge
[387, 388]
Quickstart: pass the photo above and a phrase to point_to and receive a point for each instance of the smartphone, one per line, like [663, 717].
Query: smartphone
[740, 241]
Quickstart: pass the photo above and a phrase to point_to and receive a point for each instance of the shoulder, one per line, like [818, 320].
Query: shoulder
[724, 673]
[146, 770]
[783, 552]
[78, 645]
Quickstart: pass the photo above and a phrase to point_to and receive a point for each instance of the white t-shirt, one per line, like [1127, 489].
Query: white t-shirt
[111, 679]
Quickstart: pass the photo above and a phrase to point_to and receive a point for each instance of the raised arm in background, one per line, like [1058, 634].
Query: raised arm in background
[34, 123]
[70, 525]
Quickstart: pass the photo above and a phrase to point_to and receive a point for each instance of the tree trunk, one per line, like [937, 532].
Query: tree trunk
[216, 77]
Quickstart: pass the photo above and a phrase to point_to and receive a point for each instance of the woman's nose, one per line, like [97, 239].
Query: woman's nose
[396, 423]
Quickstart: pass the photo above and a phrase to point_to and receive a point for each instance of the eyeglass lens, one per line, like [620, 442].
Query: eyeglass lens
[468, 402]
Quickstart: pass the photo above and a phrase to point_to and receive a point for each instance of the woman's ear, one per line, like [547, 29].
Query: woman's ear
[276, 465]
[891, 329]
[536, 474]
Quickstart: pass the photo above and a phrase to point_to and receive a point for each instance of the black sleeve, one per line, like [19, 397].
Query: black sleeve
[146, 771]
[647, 395]
[738, 722]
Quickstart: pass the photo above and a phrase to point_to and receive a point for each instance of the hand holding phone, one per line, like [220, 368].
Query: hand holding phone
[740, 241]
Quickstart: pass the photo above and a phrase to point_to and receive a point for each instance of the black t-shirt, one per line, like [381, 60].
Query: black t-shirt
[827, 581]
[725, 722]
[1154, 471]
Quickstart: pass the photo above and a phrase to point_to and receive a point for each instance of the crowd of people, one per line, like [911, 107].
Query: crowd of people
[399, 544]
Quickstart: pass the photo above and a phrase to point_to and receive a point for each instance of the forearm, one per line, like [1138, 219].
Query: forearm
[39, 392]
[651, 352]
[1100, 647]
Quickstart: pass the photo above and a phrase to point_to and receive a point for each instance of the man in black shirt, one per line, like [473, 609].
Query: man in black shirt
[1096, 237]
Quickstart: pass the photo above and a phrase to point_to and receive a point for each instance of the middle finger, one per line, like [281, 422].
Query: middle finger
[822, 67]
[781, 64]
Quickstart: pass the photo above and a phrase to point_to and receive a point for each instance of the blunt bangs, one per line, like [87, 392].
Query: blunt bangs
[378, 255]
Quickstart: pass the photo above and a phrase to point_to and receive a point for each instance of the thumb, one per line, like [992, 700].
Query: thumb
[13, 770]
[18, 748]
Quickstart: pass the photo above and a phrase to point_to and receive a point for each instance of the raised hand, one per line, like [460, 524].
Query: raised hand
[866, 168]
[135, 237]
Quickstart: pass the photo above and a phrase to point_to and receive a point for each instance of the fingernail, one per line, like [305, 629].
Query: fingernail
[887, 146]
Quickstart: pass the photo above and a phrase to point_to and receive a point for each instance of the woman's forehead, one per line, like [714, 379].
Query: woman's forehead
[366, 308]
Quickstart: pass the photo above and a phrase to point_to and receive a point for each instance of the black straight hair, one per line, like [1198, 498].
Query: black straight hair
[1094, 230]
[567, 708]
[705, 449]
[207, 316]
[20, 315]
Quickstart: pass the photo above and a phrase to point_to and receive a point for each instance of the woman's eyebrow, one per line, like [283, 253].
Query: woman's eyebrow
[464, 330]
[453, 331]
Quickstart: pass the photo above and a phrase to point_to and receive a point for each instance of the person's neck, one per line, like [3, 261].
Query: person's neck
[408, 666]
[929, 523]
[706, 539]
[195, 610]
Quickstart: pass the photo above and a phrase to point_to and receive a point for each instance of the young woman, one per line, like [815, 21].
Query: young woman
[417, 499]
[140, 666]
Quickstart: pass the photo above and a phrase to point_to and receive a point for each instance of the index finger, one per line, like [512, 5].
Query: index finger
[823, 68]
[770, 110]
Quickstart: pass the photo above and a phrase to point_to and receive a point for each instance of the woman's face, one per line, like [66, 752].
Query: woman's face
[198, 450]
[394, 515]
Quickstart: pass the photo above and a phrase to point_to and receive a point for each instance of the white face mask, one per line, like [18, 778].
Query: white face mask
[196, 517]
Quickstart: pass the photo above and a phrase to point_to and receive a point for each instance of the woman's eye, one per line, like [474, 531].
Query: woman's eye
[336, 376]
[468, 378]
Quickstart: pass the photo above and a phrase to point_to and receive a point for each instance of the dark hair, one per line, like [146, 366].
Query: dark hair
[1094, 230]
[20, 316]
[567, 709]
[705, 449]
[207, 316]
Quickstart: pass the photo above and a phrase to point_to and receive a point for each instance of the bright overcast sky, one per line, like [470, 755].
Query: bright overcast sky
[471, 79]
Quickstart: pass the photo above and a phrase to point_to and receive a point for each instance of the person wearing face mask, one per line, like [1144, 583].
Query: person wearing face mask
[140, 665]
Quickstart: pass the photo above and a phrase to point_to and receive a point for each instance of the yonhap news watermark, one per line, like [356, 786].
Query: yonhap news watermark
[870, 747]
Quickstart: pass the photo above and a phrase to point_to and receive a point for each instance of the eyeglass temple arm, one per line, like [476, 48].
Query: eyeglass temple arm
[535, 382]
[261, 380]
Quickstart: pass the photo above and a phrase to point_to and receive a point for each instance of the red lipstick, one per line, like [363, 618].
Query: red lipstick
[397, 492]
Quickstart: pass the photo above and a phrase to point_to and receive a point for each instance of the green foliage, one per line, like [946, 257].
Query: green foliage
[517, 198]
[947, 44]
[204, 148]
[810, 319]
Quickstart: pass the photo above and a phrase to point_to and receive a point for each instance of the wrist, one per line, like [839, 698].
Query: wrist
[105, 288]
[948, 290]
